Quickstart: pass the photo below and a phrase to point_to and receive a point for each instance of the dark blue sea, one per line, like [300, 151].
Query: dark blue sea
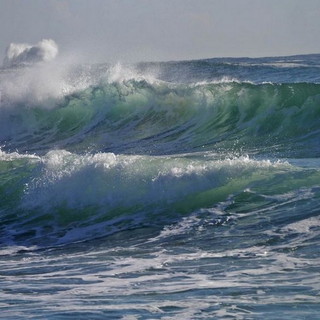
[161, 190]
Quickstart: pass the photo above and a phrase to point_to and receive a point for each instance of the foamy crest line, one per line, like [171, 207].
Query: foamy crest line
[21, 53]
[122, 73]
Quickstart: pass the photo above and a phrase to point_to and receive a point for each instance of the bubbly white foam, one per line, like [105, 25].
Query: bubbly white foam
[4, 156]
[222, 80]
[303, 226]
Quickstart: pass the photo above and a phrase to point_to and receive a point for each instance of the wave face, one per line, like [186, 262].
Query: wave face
[160, 118]
[196, 181]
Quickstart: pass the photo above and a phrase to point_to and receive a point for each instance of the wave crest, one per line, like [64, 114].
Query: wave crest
[138, 117]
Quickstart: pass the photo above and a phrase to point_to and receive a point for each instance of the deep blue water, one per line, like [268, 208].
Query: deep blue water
[174, 190]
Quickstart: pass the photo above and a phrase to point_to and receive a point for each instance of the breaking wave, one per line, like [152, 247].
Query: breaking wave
[137, 116]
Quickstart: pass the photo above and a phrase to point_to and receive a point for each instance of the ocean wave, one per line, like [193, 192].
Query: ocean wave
[159, 117]
[63, 197]
[195, 180]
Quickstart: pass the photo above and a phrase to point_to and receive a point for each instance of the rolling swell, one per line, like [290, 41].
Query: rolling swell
[161, 118]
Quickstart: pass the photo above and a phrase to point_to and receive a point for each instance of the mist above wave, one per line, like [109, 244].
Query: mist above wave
[44, 84]
[22, 53]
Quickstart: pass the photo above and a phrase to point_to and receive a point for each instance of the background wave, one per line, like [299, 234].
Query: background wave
[161, 118]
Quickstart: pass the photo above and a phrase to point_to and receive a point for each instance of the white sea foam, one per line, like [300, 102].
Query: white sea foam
[303, 226]
[11, 156]
[222, 80]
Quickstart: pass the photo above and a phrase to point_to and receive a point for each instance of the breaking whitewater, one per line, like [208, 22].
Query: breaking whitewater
[172, 190]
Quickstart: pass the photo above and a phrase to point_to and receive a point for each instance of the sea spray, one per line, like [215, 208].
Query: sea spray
[24, 54]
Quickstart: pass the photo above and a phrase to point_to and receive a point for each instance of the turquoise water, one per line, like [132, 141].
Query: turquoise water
[177, 190]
